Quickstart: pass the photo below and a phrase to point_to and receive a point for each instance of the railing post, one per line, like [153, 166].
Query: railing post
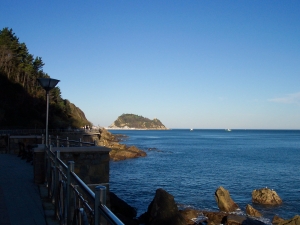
[100, 198]
[45, 164]
[96, 205]
[94, 142]
[48, 169]
[70, 169]
[103, 195]
[55, 180]
[68, 143]
[8, 143]
[80, 143]
[57, 141]
[43, 139]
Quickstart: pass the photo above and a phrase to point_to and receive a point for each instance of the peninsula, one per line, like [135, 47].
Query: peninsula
[132, 121]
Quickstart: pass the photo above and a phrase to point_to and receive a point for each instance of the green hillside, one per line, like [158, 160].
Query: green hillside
[137, 122]
[22, 99]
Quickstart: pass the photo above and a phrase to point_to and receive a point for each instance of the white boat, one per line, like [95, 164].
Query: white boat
[191, 129]
[228, 130]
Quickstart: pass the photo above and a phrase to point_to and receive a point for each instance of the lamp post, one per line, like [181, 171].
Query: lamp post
[47, 84]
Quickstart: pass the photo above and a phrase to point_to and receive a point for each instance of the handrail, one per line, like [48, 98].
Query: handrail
[86, 189]
[58, 140]
[42, 131]
[112, 219]
[63, 188]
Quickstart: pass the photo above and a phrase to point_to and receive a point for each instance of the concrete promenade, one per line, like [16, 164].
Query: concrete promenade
[21, 200]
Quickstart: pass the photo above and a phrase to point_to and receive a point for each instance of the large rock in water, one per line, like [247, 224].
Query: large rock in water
[266, 196]
[163, 210]
[224, 201]
[294, 221]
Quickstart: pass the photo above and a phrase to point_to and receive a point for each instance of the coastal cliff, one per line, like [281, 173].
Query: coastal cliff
[132, 121]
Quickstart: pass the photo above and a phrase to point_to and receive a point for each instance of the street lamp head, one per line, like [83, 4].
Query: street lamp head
[47, 83]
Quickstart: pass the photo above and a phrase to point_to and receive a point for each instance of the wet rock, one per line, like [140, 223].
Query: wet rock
[266, 196]
[242, 220]
[294, 221]
[277, 219]
[118, 151]
[224, 201]
[126, 213]
[215, 217]
[162, 210]
[191, 216]
[123, 152]
[118, 206]
[252, 212]
[235, 219]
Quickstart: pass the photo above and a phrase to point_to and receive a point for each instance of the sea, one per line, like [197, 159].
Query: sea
[192, 164]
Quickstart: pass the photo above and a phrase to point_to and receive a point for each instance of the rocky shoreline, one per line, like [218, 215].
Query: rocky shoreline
[164, 210]
[127, 128]
[118, 151]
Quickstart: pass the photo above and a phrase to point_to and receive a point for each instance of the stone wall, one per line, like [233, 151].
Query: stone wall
[91, 163]
[13, 145]
[3, 144]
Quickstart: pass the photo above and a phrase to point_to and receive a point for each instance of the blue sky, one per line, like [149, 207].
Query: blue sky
[201, 64]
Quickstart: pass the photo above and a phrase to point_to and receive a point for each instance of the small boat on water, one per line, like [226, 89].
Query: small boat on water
[191, 129]
[228, 130]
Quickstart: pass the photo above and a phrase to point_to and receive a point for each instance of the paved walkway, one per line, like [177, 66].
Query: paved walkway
[20, 198]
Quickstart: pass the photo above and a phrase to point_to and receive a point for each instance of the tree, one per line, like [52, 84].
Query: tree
[22, 98]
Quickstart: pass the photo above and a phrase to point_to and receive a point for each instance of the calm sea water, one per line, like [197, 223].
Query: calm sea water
[191, 165]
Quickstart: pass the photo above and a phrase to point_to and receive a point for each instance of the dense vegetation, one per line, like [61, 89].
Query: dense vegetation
[139, 122]
[22, 99]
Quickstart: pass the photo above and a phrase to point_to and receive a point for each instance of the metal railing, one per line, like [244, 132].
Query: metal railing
[75, 202]
[54, 141]
[42, 131]
[65, 142]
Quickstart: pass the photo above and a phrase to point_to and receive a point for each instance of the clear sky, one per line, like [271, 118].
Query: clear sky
[189, 63]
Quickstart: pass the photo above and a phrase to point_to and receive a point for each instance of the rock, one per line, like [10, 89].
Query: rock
[118, 151]
[235, 219]
[215, 217]
[118, 206]
[138, 152]
[229, 219]
[126, 220]
[294, 221]
[224, 201]
[252, 212]
[126, 213]
[163, 210]
[242, 220]
[266, 196]
[277, 219]
[190, 216]
[125, 153]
